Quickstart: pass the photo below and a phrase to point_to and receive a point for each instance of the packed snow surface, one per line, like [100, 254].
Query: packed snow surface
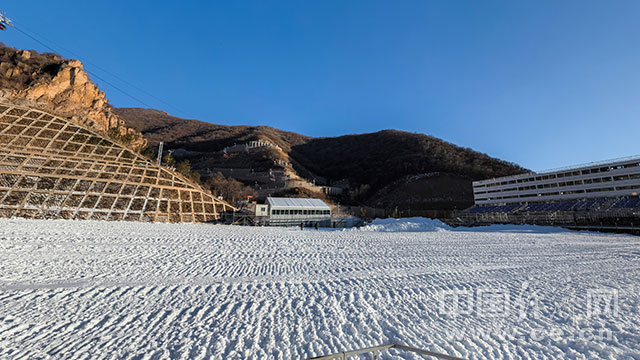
[416, 224]
[132, 290]
[420, 224]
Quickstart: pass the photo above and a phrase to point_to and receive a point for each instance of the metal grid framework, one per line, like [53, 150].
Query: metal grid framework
[53, 168]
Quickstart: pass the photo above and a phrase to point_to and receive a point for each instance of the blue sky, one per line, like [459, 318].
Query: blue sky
[539, 83]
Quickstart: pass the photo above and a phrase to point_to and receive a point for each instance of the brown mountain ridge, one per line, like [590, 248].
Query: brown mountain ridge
[388, 169]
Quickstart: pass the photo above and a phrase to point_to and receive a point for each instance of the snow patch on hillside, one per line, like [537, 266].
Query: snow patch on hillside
[420, 224]
[414, 224]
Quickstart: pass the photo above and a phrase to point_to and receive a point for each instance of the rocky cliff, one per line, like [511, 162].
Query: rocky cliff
[52, 83]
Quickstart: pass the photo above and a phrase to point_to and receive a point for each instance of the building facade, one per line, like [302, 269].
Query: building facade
[294, 211]
[262, 210]
[613, 178]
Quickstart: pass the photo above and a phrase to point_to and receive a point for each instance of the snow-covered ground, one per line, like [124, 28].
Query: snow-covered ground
[131, 290]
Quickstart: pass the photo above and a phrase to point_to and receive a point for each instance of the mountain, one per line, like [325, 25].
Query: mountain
[203, 143]
[401, 169]
[198, 135]
[387, 169]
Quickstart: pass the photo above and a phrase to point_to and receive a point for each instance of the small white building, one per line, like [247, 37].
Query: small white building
[262, 210]
[294, 211]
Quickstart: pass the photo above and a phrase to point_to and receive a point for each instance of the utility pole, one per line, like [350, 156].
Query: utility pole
[160, 146]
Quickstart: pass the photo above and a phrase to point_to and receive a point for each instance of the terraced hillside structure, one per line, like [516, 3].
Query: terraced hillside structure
[53, 168]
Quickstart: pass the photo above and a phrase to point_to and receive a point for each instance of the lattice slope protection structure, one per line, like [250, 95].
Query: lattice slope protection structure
[53, 168]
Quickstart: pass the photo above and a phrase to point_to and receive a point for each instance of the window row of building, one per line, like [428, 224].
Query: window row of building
[616, 178]
[564, 183]
[300, 212]
[518, 179]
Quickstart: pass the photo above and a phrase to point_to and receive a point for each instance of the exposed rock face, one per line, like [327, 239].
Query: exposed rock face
[59, 85]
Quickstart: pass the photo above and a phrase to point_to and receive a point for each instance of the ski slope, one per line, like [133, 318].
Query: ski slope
[133, 290]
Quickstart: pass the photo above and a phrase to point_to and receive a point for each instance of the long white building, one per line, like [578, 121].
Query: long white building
[612, 178]
[294, 211]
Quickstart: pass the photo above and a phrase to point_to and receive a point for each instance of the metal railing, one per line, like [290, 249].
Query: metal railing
[375, 349]
[589, 164]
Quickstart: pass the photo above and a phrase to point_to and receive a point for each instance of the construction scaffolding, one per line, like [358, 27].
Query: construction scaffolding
[51, 167]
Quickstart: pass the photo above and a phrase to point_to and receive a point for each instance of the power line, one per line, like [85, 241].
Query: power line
[112, 74]
[91, 73]
[102, 69]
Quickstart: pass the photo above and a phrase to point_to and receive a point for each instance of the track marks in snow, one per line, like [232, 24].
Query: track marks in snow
[131, 290]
